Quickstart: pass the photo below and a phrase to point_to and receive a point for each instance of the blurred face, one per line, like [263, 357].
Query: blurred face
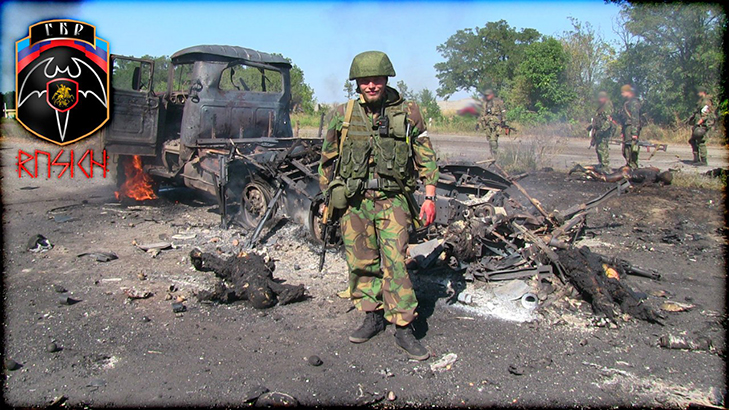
[372, 88]
[602, 100]
[701, 94]
[489, 97]
[626, 94]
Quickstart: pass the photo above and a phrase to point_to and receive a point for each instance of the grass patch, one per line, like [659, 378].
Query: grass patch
[696, 180]
[529, 154]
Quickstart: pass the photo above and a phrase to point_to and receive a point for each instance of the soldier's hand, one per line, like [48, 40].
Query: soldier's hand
[427, 212]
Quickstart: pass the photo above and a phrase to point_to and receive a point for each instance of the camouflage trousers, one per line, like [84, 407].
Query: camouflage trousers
[698, 146]
[375, 235]
[602, 148]
[493, 132]
[630, 152]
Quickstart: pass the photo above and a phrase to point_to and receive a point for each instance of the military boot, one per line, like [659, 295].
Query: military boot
[374, 323]
[406, 340]
[696, 158]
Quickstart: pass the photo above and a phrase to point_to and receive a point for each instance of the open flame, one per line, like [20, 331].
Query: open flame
[138, 185]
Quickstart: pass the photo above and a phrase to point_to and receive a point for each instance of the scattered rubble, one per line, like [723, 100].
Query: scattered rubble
[444, 363]
[99, 256]
[39, 243]
[246, 276]
[314, 360]
[12, 365]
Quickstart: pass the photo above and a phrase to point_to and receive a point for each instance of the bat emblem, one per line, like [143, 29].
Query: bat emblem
[62, 85]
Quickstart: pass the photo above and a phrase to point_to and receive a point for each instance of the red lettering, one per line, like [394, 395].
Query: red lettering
[21, 164]
[48, 156]
[81, 167]
[101, 165]
[65, 165]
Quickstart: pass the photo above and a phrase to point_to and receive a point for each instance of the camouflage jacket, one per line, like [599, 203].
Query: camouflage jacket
[630, 118]
[704, 113]
[423, 154]
[603, 120]
[492, 111]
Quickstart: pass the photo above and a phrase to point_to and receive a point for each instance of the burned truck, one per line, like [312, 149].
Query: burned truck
[222, 126]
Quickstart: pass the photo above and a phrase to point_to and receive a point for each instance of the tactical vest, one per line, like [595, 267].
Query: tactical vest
[368, 156]
[489, 108]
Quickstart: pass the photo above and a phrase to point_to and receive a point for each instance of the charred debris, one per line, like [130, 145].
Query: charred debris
[508, 235]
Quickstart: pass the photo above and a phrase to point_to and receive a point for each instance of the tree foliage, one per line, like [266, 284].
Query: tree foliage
[428, 104]
[667, 51]
[481, 58]
[349, 89]
[540, 79]
[588, 58]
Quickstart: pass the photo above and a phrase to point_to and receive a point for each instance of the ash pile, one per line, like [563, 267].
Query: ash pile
[519, 260]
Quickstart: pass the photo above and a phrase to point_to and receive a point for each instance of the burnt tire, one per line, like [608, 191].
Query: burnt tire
[255, 198]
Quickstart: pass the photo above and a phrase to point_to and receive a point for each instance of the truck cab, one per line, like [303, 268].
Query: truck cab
[221, 123]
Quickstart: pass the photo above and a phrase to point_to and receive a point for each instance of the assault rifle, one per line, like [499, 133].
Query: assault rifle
[508, 128]
[327, 221]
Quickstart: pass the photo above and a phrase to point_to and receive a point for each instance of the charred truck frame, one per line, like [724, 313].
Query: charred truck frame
[223, 127]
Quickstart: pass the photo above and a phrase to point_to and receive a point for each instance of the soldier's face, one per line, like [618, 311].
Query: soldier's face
[602, 100]
[626, 94]
[372, 88]
[701, 94]
[489, 97]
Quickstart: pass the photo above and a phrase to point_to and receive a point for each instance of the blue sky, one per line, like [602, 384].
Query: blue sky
[321, 37]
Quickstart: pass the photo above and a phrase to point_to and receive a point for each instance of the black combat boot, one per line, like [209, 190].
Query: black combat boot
[374, 323]
[406, 340]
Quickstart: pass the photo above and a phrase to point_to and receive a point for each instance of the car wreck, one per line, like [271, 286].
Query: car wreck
[223, 127]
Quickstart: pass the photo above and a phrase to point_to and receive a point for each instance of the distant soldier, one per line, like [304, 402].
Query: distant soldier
[492, 119]
[601, 129]
[703, 119]
[630, 121]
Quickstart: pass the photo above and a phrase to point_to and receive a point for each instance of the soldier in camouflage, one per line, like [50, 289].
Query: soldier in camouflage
[492, 119]
[703, 120]
[375, 149]
[630, 121]
[602, 129]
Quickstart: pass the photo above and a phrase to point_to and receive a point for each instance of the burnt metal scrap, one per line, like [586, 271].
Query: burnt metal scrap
[505, 239]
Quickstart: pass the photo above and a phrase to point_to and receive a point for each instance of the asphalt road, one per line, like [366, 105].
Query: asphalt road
[564, 153]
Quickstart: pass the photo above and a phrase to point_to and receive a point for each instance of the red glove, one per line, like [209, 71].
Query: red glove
[427, 212]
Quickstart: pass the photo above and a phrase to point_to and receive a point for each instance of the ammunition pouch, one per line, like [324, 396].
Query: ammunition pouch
[698, 132]
[355, 158]
[337, 194]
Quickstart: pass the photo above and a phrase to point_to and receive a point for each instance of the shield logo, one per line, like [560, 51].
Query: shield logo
[62, 94]
[62, 81]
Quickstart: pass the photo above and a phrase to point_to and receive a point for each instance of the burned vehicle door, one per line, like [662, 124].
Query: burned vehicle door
[235, 94]
[135, 114]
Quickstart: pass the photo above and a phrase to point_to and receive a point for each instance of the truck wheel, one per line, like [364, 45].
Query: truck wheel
[255, 198]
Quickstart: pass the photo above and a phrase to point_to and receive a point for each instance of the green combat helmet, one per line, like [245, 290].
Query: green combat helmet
[371, 64]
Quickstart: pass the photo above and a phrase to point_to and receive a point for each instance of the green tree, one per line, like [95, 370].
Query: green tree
[481, 58]
[9, 99]
[404, 90]
[668, 50]
[588, 58]
[540, 80]
[302, 95]
[349, 89]
[429, 106]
